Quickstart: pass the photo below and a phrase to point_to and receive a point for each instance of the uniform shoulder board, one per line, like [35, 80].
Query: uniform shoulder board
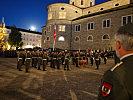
[116, 66]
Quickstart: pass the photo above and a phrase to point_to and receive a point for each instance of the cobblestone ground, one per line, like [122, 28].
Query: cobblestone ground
[53, 84]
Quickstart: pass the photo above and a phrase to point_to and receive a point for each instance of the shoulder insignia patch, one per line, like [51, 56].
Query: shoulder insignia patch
[116, 66]
[106, 89]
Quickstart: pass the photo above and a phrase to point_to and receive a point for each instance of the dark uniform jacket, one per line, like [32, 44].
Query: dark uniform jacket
[117, 83]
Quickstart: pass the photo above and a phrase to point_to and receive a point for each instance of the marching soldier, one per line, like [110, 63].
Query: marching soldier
[97, 60]
[54, 60]
[17, 59]
[51, 59]
[27, 62]
[100, 58]
[33, 58]
[73, 58]
[39, 60]
[87, 57]
[91, 58]
[77, 58]
[105, 58]
[23, 57]
[59, 60]
[20, 60]
[44, 61]
[63, 57]
[67, 61]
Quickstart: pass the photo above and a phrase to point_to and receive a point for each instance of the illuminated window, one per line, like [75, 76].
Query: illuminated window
[49, 16]
[62, 28]
[62, 15]
[61, 38]
[49, 28]
[105, 37]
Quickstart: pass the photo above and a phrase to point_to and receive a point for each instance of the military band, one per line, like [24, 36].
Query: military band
[41, 59]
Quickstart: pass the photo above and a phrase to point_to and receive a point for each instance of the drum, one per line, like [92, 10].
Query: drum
[82, 63]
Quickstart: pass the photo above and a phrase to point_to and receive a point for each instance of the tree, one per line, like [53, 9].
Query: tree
[15, 38]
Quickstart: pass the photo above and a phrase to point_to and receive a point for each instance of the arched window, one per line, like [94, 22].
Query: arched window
[105, 37]
[82, 2]
[90, 38]
[48, 38]
[61, 38]
[90, 3]
[77, 39]
[72, 3]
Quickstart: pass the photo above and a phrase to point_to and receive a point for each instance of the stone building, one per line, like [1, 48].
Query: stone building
[81, 24]
[30, 39]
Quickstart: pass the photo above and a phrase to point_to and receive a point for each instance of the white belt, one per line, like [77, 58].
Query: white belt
[20, 58]
[28, 58]
[97, 59]
[54, 58]
[44, 59]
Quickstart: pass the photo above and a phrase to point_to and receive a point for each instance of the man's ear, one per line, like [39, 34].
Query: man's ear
[118, 45]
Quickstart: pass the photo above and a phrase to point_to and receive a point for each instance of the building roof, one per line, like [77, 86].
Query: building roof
[24, 30]
[105, 11]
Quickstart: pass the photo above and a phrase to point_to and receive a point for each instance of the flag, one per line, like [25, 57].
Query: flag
[55, 32]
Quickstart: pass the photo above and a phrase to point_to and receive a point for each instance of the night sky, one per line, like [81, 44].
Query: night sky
[27, 13]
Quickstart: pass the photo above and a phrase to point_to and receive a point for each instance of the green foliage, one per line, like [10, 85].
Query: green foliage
[15, 37]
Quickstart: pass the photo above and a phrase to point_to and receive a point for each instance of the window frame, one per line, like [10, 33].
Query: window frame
[48, 28]
[49, 38]
[105, 39]
[62, 15]
[92, 38]
[61, 28]
[77, 28]
[90, 26]
[106, 23]
[75, 38]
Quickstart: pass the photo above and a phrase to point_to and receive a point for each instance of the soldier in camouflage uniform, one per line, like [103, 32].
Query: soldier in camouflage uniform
[39, 60]
[59, 60]
[97, 60]
[44, 60]
[54, 59]
[35, 59]
[63, 57]
[77, 58]
[20, 60]
[105, 58]
[67, 61]
[27, 62]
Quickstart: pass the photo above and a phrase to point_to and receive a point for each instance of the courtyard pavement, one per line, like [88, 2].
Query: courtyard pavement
[53, 84]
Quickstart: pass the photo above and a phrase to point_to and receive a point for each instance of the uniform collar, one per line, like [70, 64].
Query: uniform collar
[126, 56]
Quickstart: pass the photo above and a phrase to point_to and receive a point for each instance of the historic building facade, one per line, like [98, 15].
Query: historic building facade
[81, 24]
[30, 39]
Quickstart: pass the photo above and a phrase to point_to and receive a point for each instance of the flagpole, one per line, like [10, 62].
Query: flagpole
[54, 32]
